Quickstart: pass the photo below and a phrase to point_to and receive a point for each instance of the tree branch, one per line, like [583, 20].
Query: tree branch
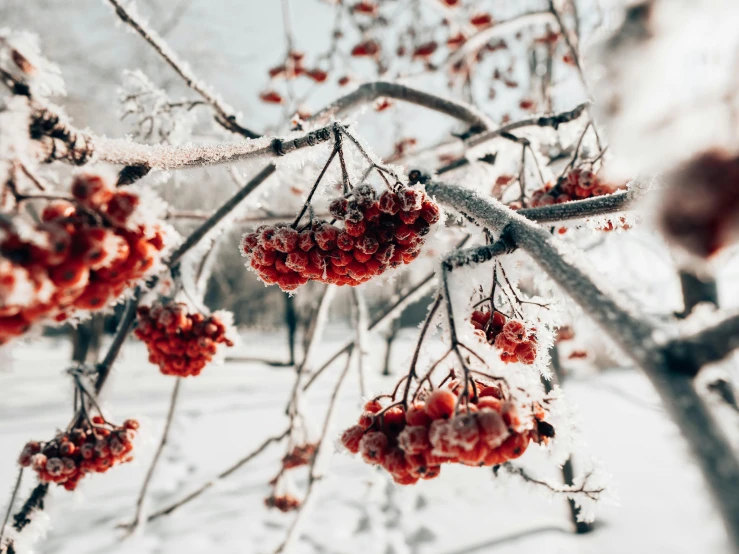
[292, 532]
[225, 113]
[164, 156]
[369, 92]
[553, 120]
[581, 209]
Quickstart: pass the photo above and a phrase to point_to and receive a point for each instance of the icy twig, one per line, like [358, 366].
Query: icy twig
[313, 477]
[209, 484]
[477, 41]
[225, 113]
[417, 352]
[138, 521]
[570, 491]
[13, 496]
[389, 314]
[553, 120]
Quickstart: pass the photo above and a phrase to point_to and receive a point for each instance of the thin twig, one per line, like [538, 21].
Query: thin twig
[9, 511]
[225, 113]
[553, 120]
[417, 352]
[386, 315]
[220, 214]
[293, 530]
[209, 484]
[360, 327]
[141, 500]
[369, 92]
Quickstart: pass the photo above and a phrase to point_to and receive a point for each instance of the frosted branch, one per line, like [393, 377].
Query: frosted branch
[553, 121]
[80, 148]
[203, 488]
[369, 92]
[141, 500]
[581, 209]
[225, 114]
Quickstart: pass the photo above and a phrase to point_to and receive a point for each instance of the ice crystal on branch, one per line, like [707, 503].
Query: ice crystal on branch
[152, 113]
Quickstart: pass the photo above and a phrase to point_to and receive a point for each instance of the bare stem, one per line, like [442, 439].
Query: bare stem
[553, 120]
[231, 469]
[141, 500]
[360, 327]
[220, 214]
[293, 530]
[417, 352]
[13, 496]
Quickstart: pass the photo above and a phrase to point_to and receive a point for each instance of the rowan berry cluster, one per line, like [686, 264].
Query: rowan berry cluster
[297, 456]
[181, 343]
[283, 502]
[89, 448]
[300, 455]
[578, 184]
[411, 444]
[516, 342]
[80, 257]
[378, 233]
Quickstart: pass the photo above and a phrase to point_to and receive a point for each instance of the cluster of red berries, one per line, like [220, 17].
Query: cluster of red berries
[179, 342]
[300, 455]
[80, 257]
[516, 342]
[291, 69]
[90, 448]
[378, 233]
[412, 444]
[578, 184]
[283, 502]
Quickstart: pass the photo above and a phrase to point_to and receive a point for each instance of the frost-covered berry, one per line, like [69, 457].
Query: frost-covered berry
[440, 404]
[373, 447]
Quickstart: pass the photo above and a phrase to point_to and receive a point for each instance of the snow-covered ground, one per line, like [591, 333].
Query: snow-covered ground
[662, 504]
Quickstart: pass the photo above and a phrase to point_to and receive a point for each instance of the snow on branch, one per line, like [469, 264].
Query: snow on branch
[62, 142]
[580, 209]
